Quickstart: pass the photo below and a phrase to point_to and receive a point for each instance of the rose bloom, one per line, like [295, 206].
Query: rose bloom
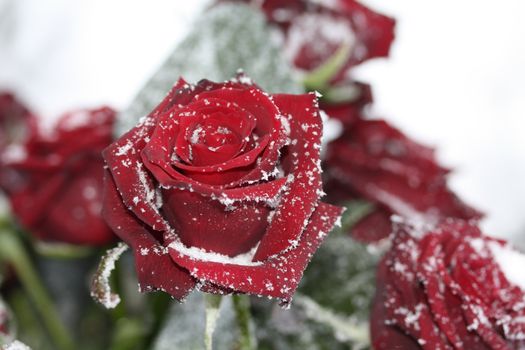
[452, 288]
[219, 188]
[314, 31]
[16, 121]
[53, 180]
[374, 161]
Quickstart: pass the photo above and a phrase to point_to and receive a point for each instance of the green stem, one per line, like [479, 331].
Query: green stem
[241, 304]
[213, 303]
[319, 79]
[13, 252]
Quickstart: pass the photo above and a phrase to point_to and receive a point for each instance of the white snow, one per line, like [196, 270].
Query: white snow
[195, 253]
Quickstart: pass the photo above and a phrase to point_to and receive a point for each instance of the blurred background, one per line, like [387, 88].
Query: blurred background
[455, 79]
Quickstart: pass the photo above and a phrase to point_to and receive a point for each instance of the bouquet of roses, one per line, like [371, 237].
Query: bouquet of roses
[248, 182]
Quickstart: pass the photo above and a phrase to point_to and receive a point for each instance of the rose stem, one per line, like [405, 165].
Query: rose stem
[213, 303]
[241, 304]
[12, 251]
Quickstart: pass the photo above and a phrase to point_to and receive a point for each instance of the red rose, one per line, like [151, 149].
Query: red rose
[54, 181]
[220, 185]
[16, 121]
[315, 30]
[374, 161]
[453, 288]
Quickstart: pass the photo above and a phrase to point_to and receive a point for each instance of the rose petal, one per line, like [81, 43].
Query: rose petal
[155, 269]
[276, 277]
[302, 161]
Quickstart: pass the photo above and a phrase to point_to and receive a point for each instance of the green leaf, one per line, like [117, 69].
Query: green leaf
[185, 326]
[228, 37]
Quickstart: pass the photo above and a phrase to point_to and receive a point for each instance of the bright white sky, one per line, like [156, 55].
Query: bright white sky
[455, 79]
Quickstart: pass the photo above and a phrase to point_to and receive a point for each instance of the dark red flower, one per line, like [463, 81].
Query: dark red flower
[375, 161]
[16, 121]
[54, 181]
[220, 185]
[452, 288]
[315, 30]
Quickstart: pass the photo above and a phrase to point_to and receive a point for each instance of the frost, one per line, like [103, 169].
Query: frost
[286, 125]
[411, 317]
[125, 149]
[100, 289]
[195, 253]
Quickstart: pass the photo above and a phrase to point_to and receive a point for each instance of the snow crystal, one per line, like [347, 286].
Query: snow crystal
[195, 253]
[511, 263]
[124, 149]
[286, 125]
[196, 135]
[481, 318]
[411, 317]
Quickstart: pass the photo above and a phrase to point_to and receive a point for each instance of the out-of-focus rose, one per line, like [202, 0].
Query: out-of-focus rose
[316, 32]
[54, 180]
[452, 288]
[375, 161]
[16, 121]
[220, 186]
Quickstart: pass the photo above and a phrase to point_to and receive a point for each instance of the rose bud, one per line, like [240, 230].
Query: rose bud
[16, 121]
[53, 180]
[374, 161]
[339, 33]
[451, 288]
[219, 187]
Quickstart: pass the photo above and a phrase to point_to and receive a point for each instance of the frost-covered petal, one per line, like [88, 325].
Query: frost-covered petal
[302, 162]
[276, 277]
[449, 288]
[155, 269]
